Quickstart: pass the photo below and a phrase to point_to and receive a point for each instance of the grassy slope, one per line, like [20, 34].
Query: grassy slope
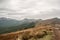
[33, 31]
[48, 37]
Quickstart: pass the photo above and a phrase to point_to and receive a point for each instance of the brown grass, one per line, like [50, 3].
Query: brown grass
[25, 34]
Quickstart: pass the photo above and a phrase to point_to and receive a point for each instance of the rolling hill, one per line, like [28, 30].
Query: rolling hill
[49, 22]
[40, 31]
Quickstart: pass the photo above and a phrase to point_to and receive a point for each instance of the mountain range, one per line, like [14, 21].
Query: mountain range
[10, 25]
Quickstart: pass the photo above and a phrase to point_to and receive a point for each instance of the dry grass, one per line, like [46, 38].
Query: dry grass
[25, 34]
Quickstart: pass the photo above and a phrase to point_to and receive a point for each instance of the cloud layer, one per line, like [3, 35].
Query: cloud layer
[18, 9]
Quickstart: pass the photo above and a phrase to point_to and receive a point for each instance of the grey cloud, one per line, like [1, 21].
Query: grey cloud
[54, 3]
[2, 1]
[49, 14]
[27, 8]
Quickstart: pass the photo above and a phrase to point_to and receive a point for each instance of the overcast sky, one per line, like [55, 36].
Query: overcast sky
[18, 9]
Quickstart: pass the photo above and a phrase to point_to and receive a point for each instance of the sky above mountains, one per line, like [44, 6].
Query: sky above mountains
[18, 9]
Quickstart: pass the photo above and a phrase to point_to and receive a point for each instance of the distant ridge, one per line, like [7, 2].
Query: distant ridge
[48, 22]
[8, 25]
[7, 22]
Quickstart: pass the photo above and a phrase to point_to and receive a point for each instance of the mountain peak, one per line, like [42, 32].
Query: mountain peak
[56, 18]
[49, 22]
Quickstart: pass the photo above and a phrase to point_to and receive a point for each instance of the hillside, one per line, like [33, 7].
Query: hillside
[8, 25]
[28, 34]
[7, 22]
[49, 22]
[43, 30]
